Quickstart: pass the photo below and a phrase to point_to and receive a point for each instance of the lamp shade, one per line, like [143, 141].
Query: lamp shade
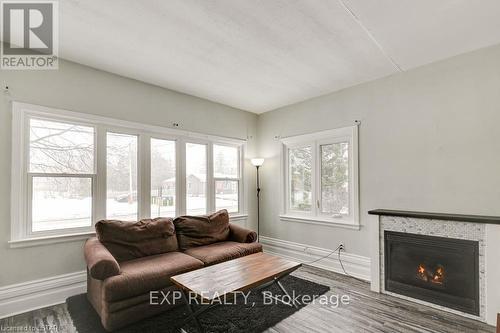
[257, 161]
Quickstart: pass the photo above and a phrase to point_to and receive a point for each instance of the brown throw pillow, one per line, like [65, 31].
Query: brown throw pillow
[195, 231]
[128, 240]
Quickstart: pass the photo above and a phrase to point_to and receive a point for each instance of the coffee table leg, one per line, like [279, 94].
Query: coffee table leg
[191, 312]
[286, 293]
[280, 285]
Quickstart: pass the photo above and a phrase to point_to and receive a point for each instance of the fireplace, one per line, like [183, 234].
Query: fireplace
[443, 271]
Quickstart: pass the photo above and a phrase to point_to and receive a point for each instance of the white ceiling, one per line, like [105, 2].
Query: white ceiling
[258, 55]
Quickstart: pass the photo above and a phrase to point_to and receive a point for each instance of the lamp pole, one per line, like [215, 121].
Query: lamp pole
[258, 203]
[257, 162]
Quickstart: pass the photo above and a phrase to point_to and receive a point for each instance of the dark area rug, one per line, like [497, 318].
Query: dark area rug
[254, 316]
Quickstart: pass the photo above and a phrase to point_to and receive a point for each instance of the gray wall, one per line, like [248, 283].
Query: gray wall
[429, 141]
[83, 89]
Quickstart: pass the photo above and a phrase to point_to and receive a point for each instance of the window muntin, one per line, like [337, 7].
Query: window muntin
[163, 178]
[121, 176]
[196, 179]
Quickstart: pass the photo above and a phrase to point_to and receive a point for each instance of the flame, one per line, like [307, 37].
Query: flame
[439, 275]
[428, 275]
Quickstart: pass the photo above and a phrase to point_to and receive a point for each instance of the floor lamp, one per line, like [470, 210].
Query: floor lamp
[257, 163]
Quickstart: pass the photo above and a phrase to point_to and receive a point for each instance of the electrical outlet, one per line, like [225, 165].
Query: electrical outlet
[341, 246]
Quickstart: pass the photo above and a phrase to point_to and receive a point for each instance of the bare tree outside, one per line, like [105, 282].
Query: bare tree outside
[333, 196]
[300, 167]
[57, 151]
[62, 169]
[61, 148]
[335, 178]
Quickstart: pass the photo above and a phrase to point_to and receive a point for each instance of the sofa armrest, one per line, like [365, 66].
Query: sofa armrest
[241, 235]
[100, 261]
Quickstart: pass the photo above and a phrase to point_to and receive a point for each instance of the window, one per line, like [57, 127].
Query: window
[163, 178]
[70, 170]
[61, 176]
[121, 177]
[300, 176]
[61, 203]
[320, 177]
[226, 177]
[196, 179]
[335, 179]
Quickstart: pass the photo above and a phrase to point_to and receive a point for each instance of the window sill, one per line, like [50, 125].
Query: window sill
[37, 241]
[319, 221]
[238, 218]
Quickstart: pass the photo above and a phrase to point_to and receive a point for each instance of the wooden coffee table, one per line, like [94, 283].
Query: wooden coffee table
[219, 281]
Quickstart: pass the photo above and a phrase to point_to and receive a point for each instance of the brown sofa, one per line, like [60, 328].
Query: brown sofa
[128, 260]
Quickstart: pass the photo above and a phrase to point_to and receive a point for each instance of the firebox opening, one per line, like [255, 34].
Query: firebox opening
[439, 270]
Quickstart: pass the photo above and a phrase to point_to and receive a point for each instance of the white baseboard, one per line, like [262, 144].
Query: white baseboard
[356, 265]
[36, 294]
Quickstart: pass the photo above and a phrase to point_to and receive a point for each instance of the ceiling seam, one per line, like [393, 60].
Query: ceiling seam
[370, 35]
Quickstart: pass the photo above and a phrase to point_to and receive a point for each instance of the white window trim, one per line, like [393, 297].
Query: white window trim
[20, 226]
[344, 134]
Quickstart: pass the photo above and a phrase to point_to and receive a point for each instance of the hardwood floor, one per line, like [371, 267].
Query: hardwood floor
[367, 312]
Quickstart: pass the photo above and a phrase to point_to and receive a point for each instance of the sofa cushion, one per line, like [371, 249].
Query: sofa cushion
[223, 251]
[128, 240]
[193, 231]
[140, 276]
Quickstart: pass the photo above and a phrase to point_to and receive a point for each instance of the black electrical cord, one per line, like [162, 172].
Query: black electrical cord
[324, 257]
[349, 275]
[340, 261]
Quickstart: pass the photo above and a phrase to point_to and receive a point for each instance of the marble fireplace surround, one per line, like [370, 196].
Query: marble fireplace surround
[484, 229]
